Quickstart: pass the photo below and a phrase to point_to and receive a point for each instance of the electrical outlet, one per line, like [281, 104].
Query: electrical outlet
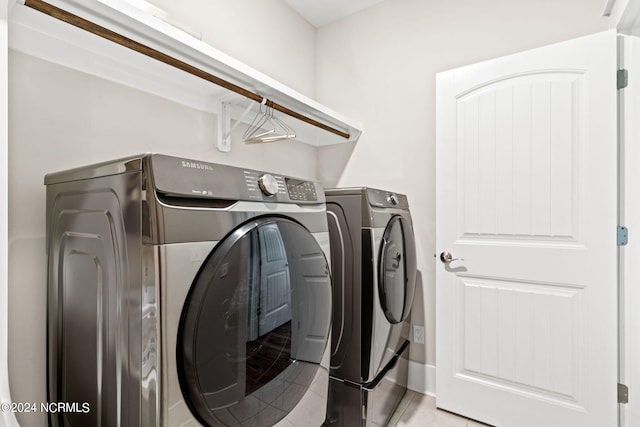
[418, 334]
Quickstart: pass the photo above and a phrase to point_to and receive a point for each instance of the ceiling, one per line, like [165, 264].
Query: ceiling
[321, 13]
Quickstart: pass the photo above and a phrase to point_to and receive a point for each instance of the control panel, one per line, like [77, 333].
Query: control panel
[269, 185]
[177, 177]
[301, 190]
[386, 199]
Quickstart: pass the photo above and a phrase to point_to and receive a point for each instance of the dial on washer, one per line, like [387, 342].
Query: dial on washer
[268, 184]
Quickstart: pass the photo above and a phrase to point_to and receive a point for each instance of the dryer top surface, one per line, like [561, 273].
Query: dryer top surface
[373, 196]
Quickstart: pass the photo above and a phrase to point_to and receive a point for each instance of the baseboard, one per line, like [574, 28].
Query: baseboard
[422, 378]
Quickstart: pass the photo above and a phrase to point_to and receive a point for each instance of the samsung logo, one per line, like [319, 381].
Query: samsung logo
[194, 165]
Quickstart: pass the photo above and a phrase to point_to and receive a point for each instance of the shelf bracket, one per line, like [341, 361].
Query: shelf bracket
[225, 111]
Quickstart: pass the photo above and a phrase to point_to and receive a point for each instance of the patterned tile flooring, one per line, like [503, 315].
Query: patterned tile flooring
[419, 410]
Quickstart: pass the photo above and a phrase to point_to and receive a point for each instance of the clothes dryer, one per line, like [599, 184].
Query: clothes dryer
[374, 271]
[183, 292]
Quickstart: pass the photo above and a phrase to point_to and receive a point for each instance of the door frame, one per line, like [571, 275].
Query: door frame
[6, 418]
[629, 216]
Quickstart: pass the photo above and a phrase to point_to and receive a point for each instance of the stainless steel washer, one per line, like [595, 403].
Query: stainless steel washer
[374, 271]
[183, 292]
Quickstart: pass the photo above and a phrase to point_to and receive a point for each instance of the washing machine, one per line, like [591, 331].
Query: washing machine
[373, 259]
[182, 292]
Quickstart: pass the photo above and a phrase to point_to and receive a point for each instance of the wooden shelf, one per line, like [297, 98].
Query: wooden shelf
[43, 36]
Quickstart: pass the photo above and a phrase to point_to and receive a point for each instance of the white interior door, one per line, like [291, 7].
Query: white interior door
[275, 284]
[527, 199]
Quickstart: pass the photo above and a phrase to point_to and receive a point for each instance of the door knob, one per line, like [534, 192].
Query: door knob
[446, 257]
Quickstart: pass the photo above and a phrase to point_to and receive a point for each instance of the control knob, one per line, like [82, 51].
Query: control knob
[268, 184]
[391, 198]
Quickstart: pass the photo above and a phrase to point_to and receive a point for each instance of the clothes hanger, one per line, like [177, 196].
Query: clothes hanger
[266, 127]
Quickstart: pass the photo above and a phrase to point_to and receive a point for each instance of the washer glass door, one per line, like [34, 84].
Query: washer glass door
[397, 269]
[255, 324]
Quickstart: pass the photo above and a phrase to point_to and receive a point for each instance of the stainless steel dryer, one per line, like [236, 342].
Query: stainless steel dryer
[183, 292]
[374, 271]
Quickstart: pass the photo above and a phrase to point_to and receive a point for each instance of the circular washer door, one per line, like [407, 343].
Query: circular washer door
[397, 269]
[255, 324]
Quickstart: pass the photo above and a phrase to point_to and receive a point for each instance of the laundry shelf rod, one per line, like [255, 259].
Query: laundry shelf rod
[105, 33]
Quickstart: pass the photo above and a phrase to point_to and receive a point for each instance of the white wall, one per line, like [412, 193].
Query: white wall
[379, 66]
[60, 118]
[265, 34]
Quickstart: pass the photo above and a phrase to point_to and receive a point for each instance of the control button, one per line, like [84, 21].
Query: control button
[268, 184]
[391, 198]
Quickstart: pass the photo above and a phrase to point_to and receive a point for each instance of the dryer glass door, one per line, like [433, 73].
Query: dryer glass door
[255, 324]
[397, 269]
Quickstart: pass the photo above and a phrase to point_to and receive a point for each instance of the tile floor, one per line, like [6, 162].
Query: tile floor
[419, 410]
